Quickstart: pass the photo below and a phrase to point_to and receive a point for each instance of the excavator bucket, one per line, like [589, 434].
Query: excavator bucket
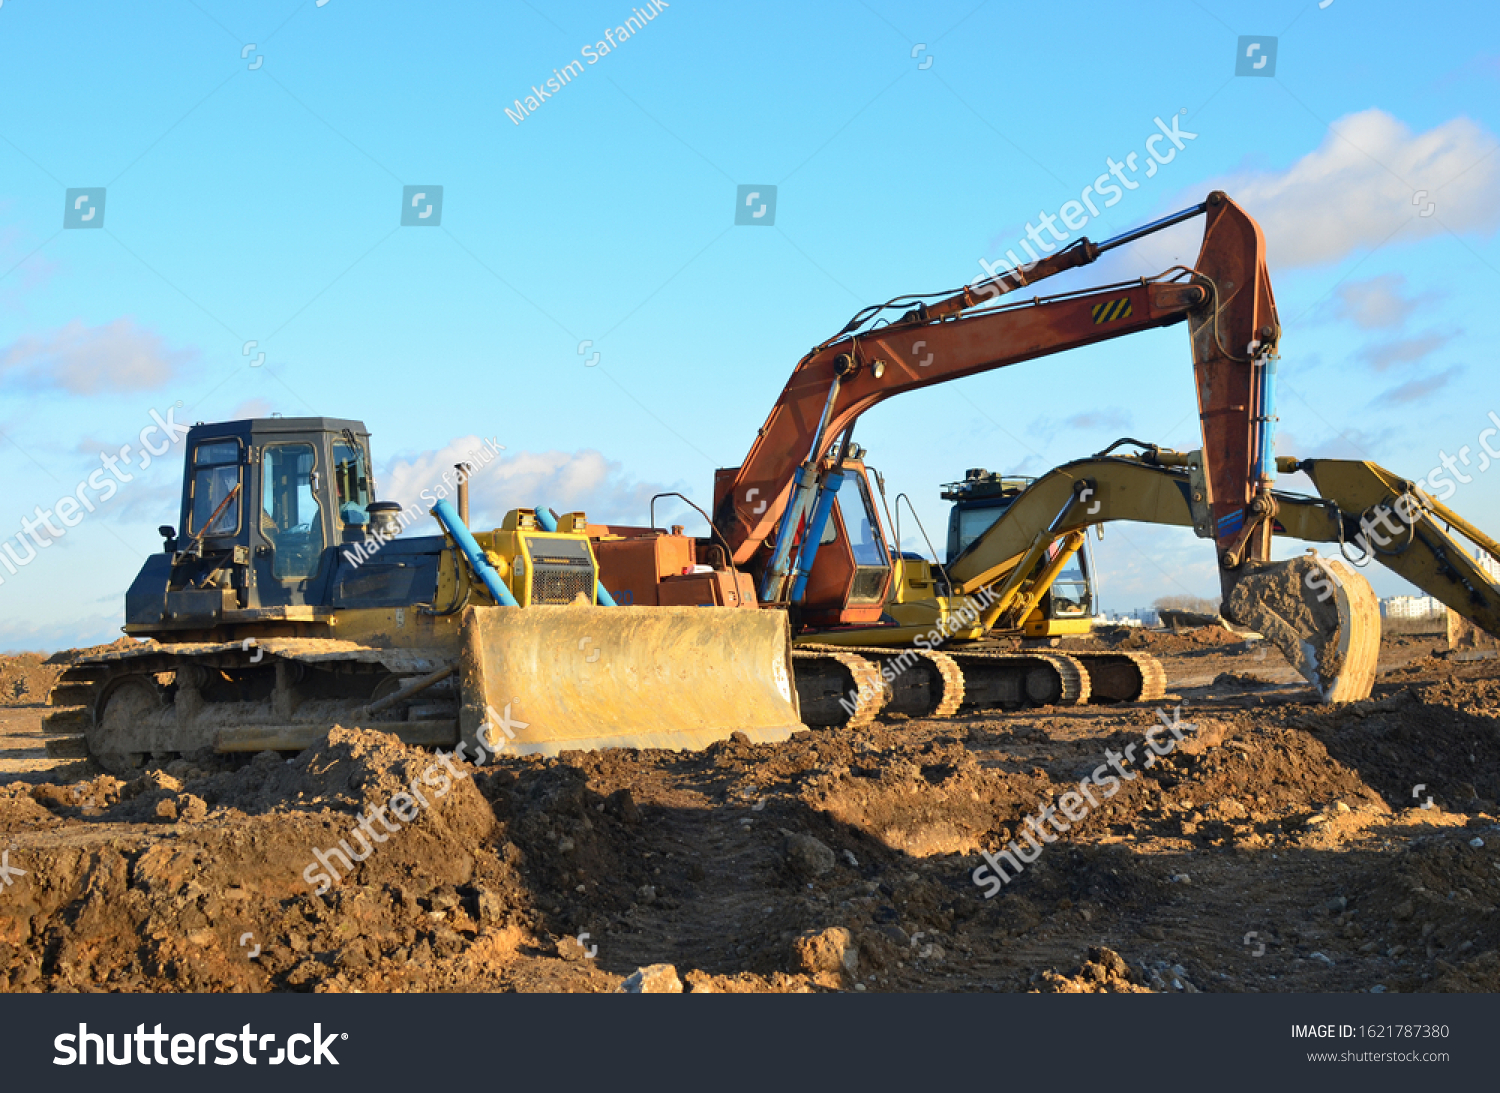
[546, 679]
[1321, 614]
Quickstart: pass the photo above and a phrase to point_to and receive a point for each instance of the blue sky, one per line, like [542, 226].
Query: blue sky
[258, 198]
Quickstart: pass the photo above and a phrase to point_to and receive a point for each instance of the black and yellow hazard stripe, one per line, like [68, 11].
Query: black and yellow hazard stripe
[1111, 310]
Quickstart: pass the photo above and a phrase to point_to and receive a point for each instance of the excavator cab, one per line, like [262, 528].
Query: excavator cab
[851, 574]
[979, 501]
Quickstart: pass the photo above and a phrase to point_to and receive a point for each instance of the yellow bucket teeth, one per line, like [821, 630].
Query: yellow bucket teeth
[547, 679]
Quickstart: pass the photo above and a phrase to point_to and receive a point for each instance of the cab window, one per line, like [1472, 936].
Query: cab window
[864, 529]
[216, 472]
[972, 523]
[290, 519]
[351, 482]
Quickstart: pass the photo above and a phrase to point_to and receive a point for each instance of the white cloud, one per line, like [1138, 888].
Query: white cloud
[582, 480]
[1419, 388]
[1088, 421]
[1362, 183]
[1385, 355]
[86, 360]
[1376, 303]
[21, 254]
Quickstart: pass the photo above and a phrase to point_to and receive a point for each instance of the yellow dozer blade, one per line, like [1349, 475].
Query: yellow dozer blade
[1321, 614]
[546, 679]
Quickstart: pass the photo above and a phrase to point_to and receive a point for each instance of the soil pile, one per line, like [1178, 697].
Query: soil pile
[1277, 845]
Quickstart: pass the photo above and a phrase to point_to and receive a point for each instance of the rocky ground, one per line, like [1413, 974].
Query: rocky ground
[1283, 846]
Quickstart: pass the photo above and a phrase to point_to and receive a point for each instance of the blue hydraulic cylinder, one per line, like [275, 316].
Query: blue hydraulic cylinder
[822, 510]
[780, 563]
[472, 551]
[1266, 423]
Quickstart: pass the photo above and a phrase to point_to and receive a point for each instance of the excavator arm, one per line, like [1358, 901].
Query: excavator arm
[1226, 299]
[830, 388]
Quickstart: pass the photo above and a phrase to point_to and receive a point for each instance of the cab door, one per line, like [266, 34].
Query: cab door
[852, 572]
[292, 531]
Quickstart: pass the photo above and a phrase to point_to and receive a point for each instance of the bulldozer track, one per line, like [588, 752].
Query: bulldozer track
[936, 692]
[125, 707]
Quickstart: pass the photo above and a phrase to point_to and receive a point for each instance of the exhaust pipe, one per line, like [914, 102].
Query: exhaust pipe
[463, 470]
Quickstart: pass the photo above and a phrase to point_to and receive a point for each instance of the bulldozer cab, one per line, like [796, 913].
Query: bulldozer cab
[268, 504]
[278, 496]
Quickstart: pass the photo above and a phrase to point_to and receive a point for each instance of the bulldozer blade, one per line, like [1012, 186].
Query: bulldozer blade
[547, 679]
[1321, 614]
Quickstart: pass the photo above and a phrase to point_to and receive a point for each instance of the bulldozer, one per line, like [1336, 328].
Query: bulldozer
[290, 601]
[797, 515]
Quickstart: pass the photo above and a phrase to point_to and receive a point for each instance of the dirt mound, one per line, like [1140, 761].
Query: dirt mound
[25, 679]
[1444, 736]
[68, 656]
[1161, 642]
[1437, 899]
[1104, 972]
[1275, 846]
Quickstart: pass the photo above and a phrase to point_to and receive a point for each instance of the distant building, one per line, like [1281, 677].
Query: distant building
[1488, 564]
[1412, 607]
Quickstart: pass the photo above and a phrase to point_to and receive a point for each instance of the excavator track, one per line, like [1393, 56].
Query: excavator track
[923, 683]
[928, 683]
[1117, 677]
[1114, 677]
[836, 688]
[129, 707]
[1013, 681]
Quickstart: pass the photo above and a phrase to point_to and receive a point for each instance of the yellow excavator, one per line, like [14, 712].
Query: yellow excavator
[1064, 606]
[1013, 564]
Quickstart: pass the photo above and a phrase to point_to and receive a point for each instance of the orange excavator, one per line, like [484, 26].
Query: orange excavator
[784, 536]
